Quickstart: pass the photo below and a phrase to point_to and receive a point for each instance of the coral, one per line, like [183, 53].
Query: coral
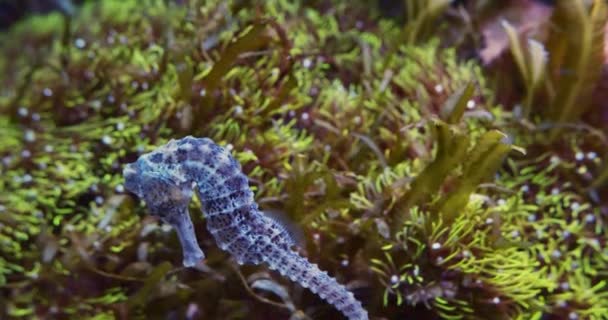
[408, 177]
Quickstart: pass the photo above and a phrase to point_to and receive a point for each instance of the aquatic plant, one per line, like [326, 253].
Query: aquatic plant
[389, 159]
[560, 76]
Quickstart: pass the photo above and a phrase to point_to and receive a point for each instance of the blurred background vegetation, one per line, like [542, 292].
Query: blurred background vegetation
[443, 159]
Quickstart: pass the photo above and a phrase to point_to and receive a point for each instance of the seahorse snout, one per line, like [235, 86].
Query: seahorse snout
[132, 175]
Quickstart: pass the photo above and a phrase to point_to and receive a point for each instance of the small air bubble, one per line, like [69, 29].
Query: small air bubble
[591, 155]
[22, 111]
[525, 188]
[238, 110]
[202, 92]
[416, 271]
[120, 126]
[514, 234]
[29, 136]
[357, 120]
[438, 88]
[489, 221]
[579, 156]
[532, 217]
[344, 262]
[564, 285]
[47, 92]
[496, 300]
[229, 147]
[590, 218]
[556, 254]
[193, 311]
[7, 160]
[582, 170]
[436, 246]
[540, 233]
[305, 116]
[471, 104]
[120, 188]
[144, 85]
[26, 153]
[99, 200]
[555, 191]
[466, 253]
[554, 159]
[572, 315]
[394, 279]
[575, 206]
[26, 178]
[107, 140]
[96, 104]
[307, 63]
[80, 43]
[501, 202]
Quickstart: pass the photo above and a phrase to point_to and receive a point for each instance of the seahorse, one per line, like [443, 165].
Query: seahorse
[165, 179]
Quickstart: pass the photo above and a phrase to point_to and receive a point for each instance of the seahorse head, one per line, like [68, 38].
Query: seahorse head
[160, 188]
[167, 196]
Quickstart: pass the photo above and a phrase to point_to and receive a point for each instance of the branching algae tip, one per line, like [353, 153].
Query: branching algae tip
[165, 179]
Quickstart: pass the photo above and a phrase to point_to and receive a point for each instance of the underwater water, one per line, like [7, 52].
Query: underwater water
[303, 159]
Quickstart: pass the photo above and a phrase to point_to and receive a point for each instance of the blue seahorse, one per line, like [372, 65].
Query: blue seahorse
[165, 179]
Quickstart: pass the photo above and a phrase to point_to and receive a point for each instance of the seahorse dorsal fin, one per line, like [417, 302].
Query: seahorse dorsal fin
[290, 228]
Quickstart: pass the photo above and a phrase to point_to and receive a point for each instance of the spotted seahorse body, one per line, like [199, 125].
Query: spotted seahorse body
[165, 180]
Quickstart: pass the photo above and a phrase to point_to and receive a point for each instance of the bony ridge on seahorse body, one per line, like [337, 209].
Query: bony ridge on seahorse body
[165, 179]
